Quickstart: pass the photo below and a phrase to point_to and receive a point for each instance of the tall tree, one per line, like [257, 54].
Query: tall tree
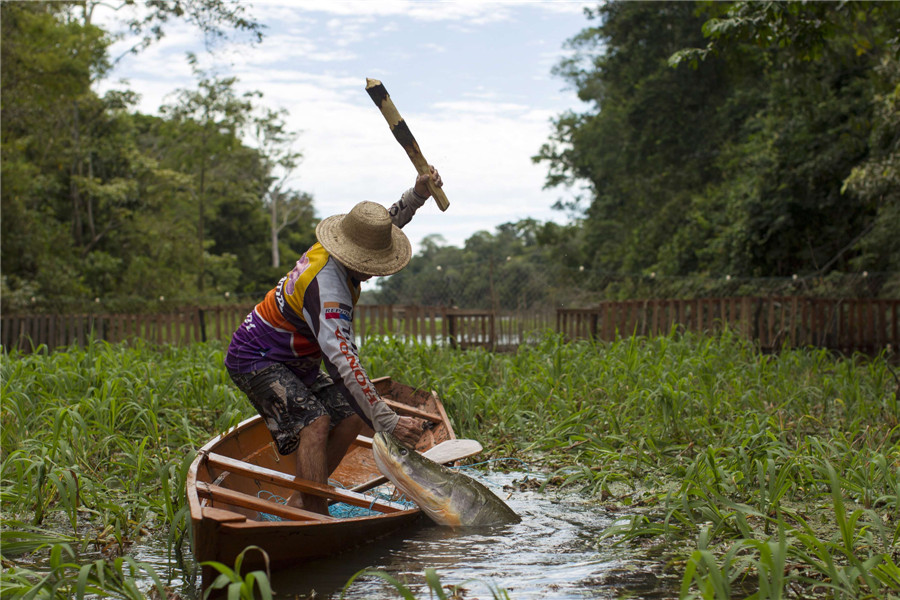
[92, 206]
[276, 147]
[48, 64]
[828, 71]
[652, 135]
[210, 120]
[876, 181]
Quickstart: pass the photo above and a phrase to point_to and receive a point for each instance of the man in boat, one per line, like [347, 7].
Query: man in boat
[306, 319]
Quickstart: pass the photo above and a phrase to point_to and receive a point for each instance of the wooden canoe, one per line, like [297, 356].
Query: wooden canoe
[234, 484]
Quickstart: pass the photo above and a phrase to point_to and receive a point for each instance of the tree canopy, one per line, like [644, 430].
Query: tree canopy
[101, 202]
[746, 138]
[720, 142]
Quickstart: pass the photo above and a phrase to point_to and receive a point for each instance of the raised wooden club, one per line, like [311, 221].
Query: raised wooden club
[403, 135]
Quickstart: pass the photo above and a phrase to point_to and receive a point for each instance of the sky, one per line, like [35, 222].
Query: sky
[471, 78]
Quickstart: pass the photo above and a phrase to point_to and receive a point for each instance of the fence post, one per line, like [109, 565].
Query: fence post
[433, 315]
[745, 316]
[492, 325]
[451, 329]
[895, 339]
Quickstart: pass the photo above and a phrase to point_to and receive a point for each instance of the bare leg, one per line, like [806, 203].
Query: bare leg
[312, 463]
[340, 439]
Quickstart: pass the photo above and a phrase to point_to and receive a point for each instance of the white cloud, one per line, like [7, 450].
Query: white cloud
[470, 10]
[483, 107]
[479, 117]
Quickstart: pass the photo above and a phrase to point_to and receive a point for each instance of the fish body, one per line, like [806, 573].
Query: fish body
[447, 496]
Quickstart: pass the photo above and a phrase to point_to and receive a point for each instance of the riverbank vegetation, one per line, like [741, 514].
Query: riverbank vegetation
[777, 474]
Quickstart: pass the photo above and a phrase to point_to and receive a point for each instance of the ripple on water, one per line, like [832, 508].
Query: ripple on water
[552, 553]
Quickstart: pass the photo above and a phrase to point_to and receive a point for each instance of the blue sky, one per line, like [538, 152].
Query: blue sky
[472, 79]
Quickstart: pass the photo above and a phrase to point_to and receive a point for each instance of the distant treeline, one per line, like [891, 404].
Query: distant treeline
[725, 140]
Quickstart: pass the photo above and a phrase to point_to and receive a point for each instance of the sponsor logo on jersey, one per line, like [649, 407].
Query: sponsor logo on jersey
[348, 349]
[335, 310]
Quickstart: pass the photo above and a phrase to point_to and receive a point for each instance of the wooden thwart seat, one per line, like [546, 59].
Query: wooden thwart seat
[218, 493]
[363, 442]
[237, 467]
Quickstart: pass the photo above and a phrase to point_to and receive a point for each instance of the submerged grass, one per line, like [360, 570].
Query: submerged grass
[764, 476]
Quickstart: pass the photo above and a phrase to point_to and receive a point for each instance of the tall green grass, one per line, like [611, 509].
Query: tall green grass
[765, 476]
[95, 444]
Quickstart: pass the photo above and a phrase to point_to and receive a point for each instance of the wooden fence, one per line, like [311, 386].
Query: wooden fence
[773, 322]
[848, 325]
[182, 326]
[462, 328]
[426, 324]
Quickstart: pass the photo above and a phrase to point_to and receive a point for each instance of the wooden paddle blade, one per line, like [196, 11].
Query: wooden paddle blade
[452, 451]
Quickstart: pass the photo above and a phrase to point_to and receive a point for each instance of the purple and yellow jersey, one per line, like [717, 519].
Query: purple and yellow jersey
[307, 319]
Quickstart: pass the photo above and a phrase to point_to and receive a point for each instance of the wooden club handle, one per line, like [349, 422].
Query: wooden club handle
[403, 135]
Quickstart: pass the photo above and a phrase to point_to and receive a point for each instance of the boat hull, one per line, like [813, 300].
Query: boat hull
[239, 475]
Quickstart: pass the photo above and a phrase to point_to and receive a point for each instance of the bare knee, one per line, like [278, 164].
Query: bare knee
[317, 431]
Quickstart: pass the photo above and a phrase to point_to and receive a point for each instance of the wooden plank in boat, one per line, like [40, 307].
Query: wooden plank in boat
[409, 410]
[220, 494]
[268, 475]
[220, 515]
[363, 441]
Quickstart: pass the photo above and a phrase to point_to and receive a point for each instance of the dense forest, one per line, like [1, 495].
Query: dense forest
[100, 201]
[758, 139]
[725, 146]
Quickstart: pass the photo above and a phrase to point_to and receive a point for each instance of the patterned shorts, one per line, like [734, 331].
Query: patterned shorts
[288, 405]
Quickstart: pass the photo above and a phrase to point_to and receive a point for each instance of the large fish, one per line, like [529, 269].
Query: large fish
[445, 495]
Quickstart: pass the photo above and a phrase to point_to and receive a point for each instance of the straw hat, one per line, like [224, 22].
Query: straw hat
[365, 240]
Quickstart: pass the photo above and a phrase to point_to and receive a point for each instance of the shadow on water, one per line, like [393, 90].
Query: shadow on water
[552, 553]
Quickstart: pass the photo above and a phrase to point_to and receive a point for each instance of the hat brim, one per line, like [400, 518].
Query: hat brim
[377, 263]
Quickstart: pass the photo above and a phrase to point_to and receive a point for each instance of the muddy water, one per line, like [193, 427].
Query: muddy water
[552, 553]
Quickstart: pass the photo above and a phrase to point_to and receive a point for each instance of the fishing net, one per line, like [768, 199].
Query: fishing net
[341, 510]
[267, 495]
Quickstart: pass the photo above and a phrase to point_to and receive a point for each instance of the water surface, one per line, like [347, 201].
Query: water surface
[553, 553]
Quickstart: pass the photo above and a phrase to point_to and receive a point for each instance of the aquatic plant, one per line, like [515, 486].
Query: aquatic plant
[237, 585]
[783, 469]
[65, 577]
[436, 587]
[760, 475]
[97, 441]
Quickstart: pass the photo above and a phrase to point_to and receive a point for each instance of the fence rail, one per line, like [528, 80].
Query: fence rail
[865, 325]
[426, 324]
[183, 326]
